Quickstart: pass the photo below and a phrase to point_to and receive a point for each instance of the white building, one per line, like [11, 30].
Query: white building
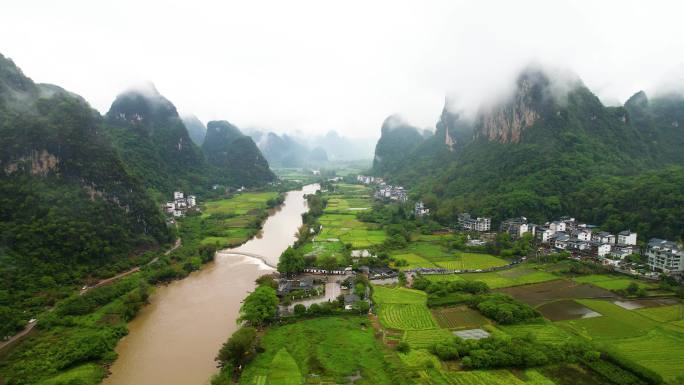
[177, 213]
[557, 226]
[603, 249]
[170, 207]
[177, 195]
[665, 256]
[479, 224]
[627, 238]
[546, 235]
[192, 201]
[603, 237]
[584, 235]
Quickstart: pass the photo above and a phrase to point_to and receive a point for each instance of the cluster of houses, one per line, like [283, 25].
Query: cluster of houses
[468, 223]
[180, 204]
[366, 179]
[585, 240]
[420, 210]
[395, 193]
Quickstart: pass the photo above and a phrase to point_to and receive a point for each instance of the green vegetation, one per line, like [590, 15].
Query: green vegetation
[460, 317]
[613, 282]
[519, 275]
[578, 155]
[70, 209]
[81, 332]
[406, 316]
[331, 347]
[232, 221]
[647, 337]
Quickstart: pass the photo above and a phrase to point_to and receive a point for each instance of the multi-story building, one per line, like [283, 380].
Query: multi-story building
[665, 256]
[516, 227]
[627, 238]
[480, 224]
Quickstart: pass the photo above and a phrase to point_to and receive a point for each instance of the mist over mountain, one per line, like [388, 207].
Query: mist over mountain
[296, 150]
[543, 151]
[153, 140]
[196, 129]
[235, 156]
[69, 202]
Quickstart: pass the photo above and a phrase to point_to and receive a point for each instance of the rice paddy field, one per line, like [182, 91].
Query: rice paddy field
[459, 317]
[520, 275]
[547, 332]
[651, 336]
[430, 254]
[613, 282]
[231, 221]
[489, 377]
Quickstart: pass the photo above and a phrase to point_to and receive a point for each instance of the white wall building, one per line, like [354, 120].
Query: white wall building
[557, 226]
[584, 235]
[627, 238]
[177, 195]
[665, 256]
[603, 249]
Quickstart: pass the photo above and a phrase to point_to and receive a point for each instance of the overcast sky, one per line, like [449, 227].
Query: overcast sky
[319, 65]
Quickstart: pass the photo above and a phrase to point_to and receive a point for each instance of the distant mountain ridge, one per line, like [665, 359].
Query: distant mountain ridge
[531, 153]
[288, 150]
[235, 155]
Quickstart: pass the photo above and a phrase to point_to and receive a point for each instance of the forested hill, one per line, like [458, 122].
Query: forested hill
[69, 206]
[235, 156]
[550, 149]
[154, 142]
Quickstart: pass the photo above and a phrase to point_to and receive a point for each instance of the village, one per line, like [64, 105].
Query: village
[180, 205]
[581, 240]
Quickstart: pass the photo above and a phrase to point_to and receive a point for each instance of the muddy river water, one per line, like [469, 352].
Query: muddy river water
[173, 340]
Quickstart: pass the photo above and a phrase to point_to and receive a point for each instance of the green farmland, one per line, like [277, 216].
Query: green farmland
[229, 222]
[519, 275]
[333, 348]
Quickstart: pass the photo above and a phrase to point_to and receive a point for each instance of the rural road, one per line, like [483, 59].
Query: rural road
[30, 326]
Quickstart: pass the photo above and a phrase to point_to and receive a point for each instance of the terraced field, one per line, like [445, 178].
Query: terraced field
[496, 377]
[406, 316]
[419, 358]
[659, 350]
[399, 295]
[423, 339]
[649, 336]
[546, 332]
[520, 275]
[471, 261]
[460, 317]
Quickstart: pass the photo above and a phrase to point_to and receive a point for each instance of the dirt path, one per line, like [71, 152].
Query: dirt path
[29, 327]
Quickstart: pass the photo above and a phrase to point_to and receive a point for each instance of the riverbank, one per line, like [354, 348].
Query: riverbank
[85, 330]
[174, 340]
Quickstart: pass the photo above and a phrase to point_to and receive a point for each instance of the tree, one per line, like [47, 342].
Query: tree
[260, 306]
[403, 347]
[291, 262]
[299, 310]
[239, 347]
[361, 307]
[267, 280]
[329, 263]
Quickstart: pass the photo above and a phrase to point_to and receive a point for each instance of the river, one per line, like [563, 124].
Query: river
[174, 339]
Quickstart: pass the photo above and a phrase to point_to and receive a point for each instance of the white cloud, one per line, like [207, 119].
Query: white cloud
[315, 66]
